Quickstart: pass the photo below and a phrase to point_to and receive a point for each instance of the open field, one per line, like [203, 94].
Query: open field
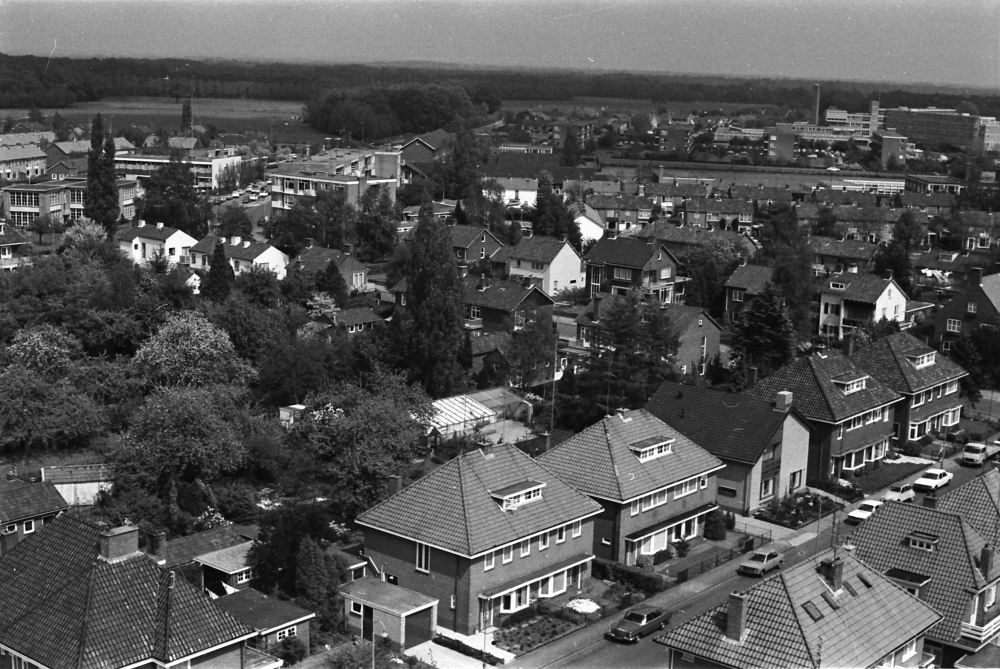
[233, 115]
[624, 105]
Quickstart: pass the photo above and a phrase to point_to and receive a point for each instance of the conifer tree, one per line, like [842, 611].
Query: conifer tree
[764, 337]
[331, 282]
[220, 278]
[101, 196]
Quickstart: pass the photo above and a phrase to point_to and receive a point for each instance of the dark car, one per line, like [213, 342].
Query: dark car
[637, 623]
[959, 436]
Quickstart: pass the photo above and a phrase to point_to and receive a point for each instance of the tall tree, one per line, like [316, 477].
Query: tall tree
[234, 222]
[430, 327]
[965, 353]
[552, 218]
[220, 278]
[764, 336]
[907, 231]
[100, 203]
[571, 147]
[892, 257]
[376, 228]
[331, 281]
[185, 116]
[171, 198]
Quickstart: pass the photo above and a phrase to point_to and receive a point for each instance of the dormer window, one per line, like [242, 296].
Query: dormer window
[652, 448]
[515, 496]
[922, 541]
[852, 385]
[836, 285]
[921, 357]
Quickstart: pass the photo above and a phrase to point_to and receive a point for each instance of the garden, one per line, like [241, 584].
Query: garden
[797, 510]
[540, 623]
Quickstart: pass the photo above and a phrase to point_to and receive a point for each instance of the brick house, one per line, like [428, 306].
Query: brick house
[429, 147]
[654, 485]
[848, 300]
[471, 244]
[927, 382]
[617, 265]
[746, 283]
[976, 305]
[832, 610]
[849, 411]
[764, 445]
[79, 597]
[679, 239]
[698, 336]
[25, 508]
[552, 264]
[724, 214]
[943, 559]
[833, 256]
[622, 212]
[497, 305]
[485, 534]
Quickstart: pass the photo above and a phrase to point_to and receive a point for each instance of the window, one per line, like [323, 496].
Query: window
[767, 488]
[952, 387]
[525, 547]
[423, 557]
[288, 632]
[577, 528]
[910, 650]
[795, 480]
[543, 541]
[560, 535]
[665, 273]
[946, 346]
[940, 391]
[482, 252]
[856, 422]
[453, 602]
[244, 576]
[171, 251]
[971, 307]
[922, 544]
[726, 491]
[635, 507]
[991, 596]
[356, 608]
[29, 526]
[483, 240]
[489, 561]
[953, 325]
[737, 295]
[10, 528]
[358, 279]
[508, 554]
[686, 488]
[703, 482]
[984, 242]
[623, 273]
[475, 312]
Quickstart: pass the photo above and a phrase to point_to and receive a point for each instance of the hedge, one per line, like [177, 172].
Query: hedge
[474, 653]
[518, 617]
[647, 581]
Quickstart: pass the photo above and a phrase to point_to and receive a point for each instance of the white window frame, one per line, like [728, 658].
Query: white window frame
[665, 273]
[971, 307]
[357, 608]
[918, 399]
[287, 633]
[508, 554]
[682, 488]
[910, 650]
[423, 560]
[577, 528]
[953, 325]
[490, 561]
[29, 524]
[738, 295]
[244, 576]
[767, 488]
[952, 387]
[561, 534]
[623, 274]
[991, 596]
[634, 510]
[525, 547]
[543, 541]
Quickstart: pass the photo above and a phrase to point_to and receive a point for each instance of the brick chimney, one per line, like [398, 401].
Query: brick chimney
[976, 276]
[119, 542]
[7, 541]
[736, 620]
[930, 500]
[395, 484]
[985, 560]
[156, 545]
[832, 570]
[159, 225]
[235, 241]
[142, 224]
[783, 400]
[751, 377]
[597, 309]
[612, 233]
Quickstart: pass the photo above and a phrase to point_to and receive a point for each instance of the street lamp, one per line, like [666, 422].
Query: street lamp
[384, 635]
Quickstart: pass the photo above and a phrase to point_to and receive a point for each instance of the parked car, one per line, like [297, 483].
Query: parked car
[637, 623]
[864, 510]
[932, 479]
[900, 492]
[977, 454]
[764, 559]
[236, 193]
[959, 436]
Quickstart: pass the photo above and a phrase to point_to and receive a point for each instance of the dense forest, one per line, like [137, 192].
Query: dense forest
[27, 81]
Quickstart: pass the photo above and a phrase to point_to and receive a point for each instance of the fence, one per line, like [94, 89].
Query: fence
[751, 540]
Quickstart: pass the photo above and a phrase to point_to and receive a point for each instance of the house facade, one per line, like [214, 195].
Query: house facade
[313, 260]
[849, 411]
[724, 214]
[622, 212]
[226, 570]
[78, 484]
[471, 244]
[15, 248]
[144, 243]
[517, 191]
[484, 534]
[550, 263]
[655, 486]
[975, 306]
[498, 305]
[21, 161]
[745, 283]
[764, 445]
[243, 255]
[835, 256]
[848, 300]
[698, 337]
[928, 383]
[617, 265]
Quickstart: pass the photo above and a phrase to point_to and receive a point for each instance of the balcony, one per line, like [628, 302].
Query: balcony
[7, 264]
[473, 323]
[185, 260]
[982, 633]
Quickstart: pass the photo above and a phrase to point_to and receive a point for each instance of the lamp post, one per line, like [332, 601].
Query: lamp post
[384, 635]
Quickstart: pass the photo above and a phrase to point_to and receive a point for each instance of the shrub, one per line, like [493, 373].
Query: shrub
[715, 526]
[912, 449]
[474, 653]
[518, 617]
[659, 557]
[291, 650]
[682, 547]
[645, 562]
[926, 440]
[730, 520]
[649, 582]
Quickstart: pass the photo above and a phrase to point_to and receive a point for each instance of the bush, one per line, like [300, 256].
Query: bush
[912, 449]
[645, 562]
[291, 650]
[659, 557]
[730, 520]
[649, 582]
[474, 653]
[682, 547]
[518, 617]
[715, 526]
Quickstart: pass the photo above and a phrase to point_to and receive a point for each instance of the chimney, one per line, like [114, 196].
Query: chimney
[833, 571]
[481, 284]
[156, 544]
[642, 189]
[985, 561]
[597, 309]
[783, 400]
[742, 259]
[651, 240]
[119, 542]
[235, 241]
[11, 475]
[888, 274]
[562, 238]
[486, 448]
[142, 224]
[395, 484]
[159, 225]
[976, 276]
[612, 233]
[222, 240]
[930, 501]
[736, 620]
[751, 377]
[7, 541]
[246, 243]
[309, 242]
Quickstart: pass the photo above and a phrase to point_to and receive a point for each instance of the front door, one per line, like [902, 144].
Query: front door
[630, 552]
[367, 622]
[485, 614]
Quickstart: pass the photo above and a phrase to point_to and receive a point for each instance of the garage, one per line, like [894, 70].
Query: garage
[403, 617]
[419, 627]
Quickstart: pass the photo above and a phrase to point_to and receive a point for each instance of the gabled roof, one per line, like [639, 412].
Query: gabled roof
[242, 251]
[978, 502]
[464, 236]
[230, 560]
[856, 249]
[692, 235]
[669, 190]
[66, 607]
[11, 236]
[600, 462]
[886, 359]
[262, 613]
[952, 566]
[537, 248]
[355, 316]
[721, 206]
[621, 202]
[314, 259]
[499, 293]
[18, 152]
[435, 139]
[910, 199]
[625, 251]
[182, 142]
[20, 500]
[150, 232]
[682, 317]
[859, 287]
[732, 427]
[814, 393]
[451, 508]
[751, 278]
[83, 146]
[991, 288]
[185, 549]
[868, 623]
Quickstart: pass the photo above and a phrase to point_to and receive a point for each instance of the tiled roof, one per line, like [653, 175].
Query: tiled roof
[65, 607]
[149, 232]
[17, 152]
[182, 142]
[357, 315]
[314, 259]
[670, 190]
[26, 138]
[733, 427]
[857, 249]
[991, 288]
[498, 293]
[624, 251]
[598, 461]
[816, 396]
[860, 287]
[185, 549]
[952, 567]
[536, 248]
[262, 613]
[867, 624]
[20, 500]
[242, 251]
[451, 507]
[949, 261]
[621, 202]
[666, 231]
[910, 199]
[682, 317]
[463, 236]
[58, 474]
[435, 139]
[11, 236]
[722, 206]
[886, 360]
[978, 502]
[751, 278]
[845, 197]
[490, 342]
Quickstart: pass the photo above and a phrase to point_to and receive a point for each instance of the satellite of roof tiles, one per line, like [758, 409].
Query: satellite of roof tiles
[891, 360]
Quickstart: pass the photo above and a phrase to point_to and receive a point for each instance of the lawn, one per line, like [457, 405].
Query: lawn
[876, 479]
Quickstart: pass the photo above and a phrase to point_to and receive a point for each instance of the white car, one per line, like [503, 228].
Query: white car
[901, 492]
[932, 479]
[865, 509]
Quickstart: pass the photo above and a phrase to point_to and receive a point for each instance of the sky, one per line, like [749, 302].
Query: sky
[954, 42]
